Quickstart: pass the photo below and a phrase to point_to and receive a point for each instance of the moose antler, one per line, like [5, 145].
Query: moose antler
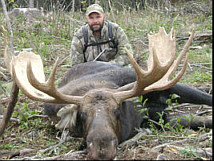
[161, 65]
[31, 87]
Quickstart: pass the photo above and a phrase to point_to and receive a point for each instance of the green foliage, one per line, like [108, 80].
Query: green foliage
[201, 77]
[8, 146]
[189, 118]
[169, 126]
[175, 126]
[41, 35]
[13, 4]
[198, 77]
[190, 151]
[201, 55]
[23, 113]
[140, 107]
[172, 99]
[6, 87]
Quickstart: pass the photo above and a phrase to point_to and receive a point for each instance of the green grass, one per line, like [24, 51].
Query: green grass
[198, 77]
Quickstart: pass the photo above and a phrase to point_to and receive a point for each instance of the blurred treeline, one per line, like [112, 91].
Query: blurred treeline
[81, 5]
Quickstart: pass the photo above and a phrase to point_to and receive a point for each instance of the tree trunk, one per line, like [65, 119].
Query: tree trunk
[8, 25]
[15, 89]
[31, 3]
[12, 103]
[73, 8]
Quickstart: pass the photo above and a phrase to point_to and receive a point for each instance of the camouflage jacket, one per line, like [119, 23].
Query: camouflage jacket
[110, 54]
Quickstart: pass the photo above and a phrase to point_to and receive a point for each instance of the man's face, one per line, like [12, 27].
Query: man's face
[96, 21]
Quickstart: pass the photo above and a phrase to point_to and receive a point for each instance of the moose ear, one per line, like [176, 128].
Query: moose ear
[68, 115]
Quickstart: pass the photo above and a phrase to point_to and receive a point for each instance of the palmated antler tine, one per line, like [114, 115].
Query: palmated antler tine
[181, 55]
[165, 82]
[28, 73]
[146, 78]
[18, 69]
[162, 55]
[161, 85]
[48, 87]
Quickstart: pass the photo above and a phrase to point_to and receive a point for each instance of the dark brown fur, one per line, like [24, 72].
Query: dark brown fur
[101, 120]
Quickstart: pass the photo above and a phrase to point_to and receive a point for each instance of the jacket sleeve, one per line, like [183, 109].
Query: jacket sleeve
[122, 40]
[77, 55]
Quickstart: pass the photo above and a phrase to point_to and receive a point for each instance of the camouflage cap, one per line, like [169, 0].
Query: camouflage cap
[94, 8]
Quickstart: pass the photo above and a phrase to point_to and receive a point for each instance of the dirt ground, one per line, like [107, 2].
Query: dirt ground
[38, 139]
[32, 144]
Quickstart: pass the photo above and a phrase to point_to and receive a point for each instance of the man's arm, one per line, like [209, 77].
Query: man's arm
[77, 55]
[121, 57]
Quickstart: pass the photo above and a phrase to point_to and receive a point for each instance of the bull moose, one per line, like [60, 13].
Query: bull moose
[94, 100]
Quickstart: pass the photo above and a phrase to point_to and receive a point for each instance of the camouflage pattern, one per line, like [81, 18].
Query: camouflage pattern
[94, 8]
[111, 54]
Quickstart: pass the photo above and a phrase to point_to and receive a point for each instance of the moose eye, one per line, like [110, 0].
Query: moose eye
[83, 116]
[117, 113]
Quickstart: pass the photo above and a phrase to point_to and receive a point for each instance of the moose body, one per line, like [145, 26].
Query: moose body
[127, 118]
[95, 100]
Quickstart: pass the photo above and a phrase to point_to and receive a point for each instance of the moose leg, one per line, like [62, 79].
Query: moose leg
[190, 95]
[157, 100]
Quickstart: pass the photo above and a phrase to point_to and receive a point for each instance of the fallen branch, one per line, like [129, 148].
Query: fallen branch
[4, 100]
[63, 60]
[9, 155]
[161, 157]
[202, 65]
[134, 140]
[39, 154]
[203, 112]
[71, 155]
[204, 152]
[189, 65]
[68, 156]
[3, 76]
[200, 139]
[11, 119]
[186, 105]
[37, 116]
[198, 36]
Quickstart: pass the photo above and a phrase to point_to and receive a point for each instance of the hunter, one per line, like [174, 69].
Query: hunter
[99, 40]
